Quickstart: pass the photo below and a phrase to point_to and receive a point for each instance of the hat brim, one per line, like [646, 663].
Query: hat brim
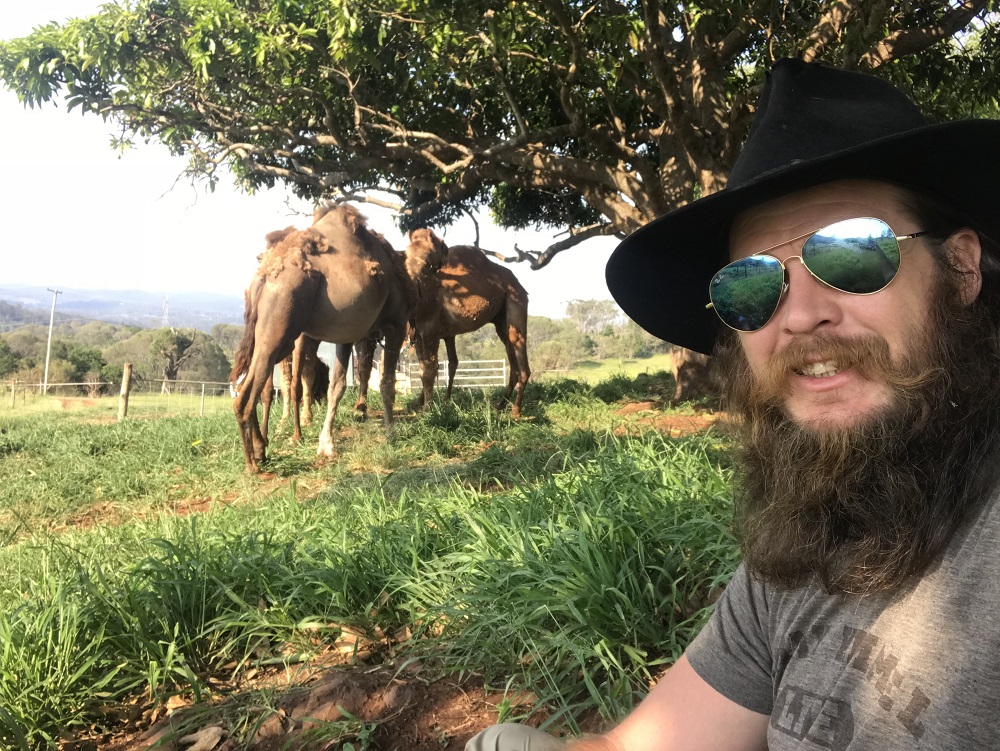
[660, 274]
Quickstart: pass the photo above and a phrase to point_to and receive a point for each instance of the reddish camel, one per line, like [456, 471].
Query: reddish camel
[337, 281]
[458, 290]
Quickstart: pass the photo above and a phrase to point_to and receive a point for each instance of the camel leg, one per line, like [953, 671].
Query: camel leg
[420, 401]
[286, 389]
[515, 341]
[310, 348]
[520, 355]
[427, 354]
[245, 408]
[293, 391]
[365, 352]
[390, 358]
[260, 431]
[449, 345]
[245, 395]
[338, 385]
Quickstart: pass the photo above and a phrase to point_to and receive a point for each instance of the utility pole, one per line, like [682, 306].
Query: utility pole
[48, 347]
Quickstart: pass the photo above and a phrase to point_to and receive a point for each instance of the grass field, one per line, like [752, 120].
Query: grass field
[593, 371]
[571, 554]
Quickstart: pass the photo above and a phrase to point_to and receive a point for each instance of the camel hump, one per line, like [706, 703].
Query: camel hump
[322, 210]
[292, 247]
[343, 213]
[476, 263]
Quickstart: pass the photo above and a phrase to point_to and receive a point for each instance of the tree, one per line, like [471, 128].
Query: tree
[227, 336]
[175, 348]
[593, 316]
[590, 117]
[137, 349]
[85, 360]
[88, 364]
[9, 361]
[208, 363]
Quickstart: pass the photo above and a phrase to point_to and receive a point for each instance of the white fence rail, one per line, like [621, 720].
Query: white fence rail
[471, 374]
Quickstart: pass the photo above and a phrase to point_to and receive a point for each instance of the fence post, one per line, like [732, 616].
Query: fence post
[13, 393]
[123, 395]
[202, 413]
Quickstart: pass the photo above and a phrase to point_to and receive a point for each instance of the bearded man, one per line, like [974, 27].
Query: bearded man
[848, 280]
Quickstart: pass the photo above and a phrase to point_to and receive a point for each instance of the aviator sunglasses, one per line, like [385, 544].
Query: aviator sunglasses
[857, 256]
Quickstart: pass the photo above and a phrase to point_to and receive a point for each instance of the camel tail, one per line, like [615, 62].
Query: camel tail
[244, 350]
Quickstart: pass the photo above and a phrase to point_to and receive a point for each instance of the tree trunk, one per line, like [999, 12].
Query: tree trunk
[692, 374]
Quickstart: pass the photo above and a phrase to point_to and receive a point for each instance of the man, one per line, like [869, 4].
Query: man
[848, 279]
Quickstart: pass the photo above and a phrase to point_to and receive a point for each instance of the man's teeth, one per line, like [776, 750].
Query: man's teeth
[819, 369]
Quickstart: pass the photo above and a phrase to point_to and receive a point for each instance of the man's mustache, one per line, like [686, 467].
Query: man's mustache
[869, 356]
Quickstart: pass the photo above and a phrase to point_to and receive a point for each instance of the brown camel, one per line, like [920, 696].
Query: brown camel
[307, 349]
[337, 281]
[458, 290]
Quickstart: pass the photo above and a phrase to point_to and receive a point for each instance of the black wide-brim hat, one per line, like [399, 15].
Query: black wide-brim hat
[813, 124]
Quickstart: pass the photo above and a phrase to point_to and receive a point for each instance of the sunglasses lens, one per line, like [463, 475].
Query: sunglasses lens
[746, 292]
[857, 255]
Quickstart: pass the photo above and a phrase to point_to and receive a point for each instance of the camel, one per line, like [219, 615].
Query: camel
[458, 290]
[338, 282]
[307, 349]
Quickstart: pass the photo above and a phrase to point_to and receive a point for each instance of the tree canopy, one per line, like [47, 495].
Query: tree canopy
[590, 117]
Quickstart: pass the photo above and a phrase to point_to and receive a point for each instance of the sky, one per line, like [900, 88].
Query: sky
[75, 213]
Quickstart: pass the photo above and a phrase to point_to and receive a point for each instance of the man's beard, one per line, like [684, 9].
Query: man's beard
[863, 508]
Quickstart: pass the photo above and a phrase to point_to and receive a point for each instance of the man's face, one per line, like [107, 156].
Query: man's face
[807, 350]
[842, 402]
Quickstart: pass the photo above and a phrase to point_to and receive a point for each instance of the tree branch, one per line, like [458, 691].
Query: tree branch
[904, 42]
[735, 41]
[522, 124]
[538, 259]
[828, 29]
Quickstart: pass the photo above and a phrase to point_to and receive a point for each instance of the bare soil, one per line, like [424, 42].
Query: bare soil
[376, 707]
[672, 424]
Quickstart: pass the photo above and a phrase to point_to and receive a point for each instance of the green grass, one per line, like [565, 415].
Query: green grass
[553, 553]
[593, 371]
[105, 407]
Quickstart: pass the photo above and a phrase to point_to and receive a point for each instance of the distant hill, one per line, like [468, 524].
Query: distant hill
[198, 310]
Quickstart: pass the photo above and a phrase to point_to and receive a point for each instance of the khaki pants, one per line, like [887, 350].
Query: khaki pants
[510, 736]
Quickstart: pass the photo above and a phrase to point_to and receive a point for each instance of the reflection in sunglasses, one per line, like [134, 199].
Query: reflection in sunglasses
[858, 256]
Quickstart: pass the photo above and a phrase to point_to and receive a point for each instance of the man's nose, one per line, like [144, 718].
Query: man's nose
[809, 305]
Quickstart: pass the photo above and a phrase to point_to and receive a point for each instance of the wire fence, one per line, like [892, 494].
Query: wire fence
[158, 398]
[146, 398]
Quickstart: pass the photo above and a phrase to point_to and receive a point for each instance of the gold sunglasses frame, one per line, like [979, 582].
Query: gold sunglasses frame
[784, 270]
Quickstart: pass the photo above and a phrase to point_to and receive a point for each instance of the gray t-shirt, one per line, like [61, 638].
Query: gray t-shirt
[916, 668]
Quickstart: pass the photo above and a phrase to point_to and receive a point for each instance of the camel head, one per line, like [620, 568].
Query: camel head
[426, 253]
[274, 238]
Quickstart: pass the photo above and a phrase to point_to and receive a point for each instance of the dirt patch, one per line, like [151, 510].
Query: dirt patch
[678, 425]
[76, 402]
[108, 513]
[671, 424]
[380, 708]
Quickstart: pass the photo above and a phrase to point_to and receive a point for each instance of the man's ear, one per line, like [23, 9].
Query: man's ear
[964, 252]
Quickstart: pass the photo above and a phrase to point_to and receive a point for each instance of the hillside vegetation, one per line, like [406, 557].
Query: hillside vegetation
[93, 351]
